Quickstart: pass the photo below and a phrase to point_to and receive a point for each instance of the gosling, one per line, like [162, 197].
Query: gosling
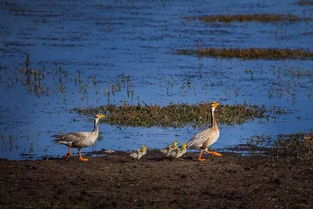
[167, 150]
[139, 153]
[178, 152]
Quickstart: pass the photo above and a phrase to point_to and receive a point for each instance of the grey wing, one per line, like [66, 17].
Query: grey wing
[199, 139]
[71, 138]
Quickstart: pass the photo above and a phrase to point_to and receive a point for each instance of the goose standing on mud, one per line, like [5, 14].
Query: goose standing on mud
[79, 139]
[206, 138]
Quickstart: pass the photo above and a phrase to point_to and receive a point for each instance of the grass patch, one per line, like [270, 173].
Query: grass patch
[178, 115]
[248, 18]
[295, 148]
[251, 53]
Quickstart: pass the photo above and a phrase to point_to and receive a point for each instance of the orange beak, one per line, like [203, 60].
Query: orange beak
[215, 104]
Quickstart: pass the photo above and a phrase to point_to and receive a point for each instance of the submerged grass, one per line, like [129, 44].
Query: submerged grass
[251, 53]
[249, 18]
[295, 148]
[178, 115]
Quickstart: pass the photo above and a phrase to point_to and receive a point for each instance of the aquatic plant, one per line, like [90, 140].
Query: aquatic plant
[293, 73]
[122, 82]
[248, 18]
[48, 82]
[8, 143]
[289, 82]
[261, 140]
[250, 53]
[178, 115]
[295, 148]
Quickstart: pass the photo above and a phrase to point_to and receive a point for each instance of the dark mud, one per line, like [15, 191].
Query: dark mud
[116, 181]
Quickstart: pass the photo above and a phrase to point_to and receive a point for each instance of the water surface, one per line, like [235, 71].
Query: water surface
[97, 53]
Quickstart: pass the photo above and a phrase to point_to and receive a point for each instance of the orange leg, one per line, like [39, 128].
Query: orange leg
[214, 153]
[81, 158]
[200, 156]
[68, 154]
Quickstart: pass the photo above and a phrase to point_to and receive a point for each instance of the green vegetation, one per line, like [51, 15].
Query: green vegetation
[298, 73]
[262, 140]
[178, 115]
[296, 148]
[48, 82]
[249, 18]
[287, 82]
[251, 53]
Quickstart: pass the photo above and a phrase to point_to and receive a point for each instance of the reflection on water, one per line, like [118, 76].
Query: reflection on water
[58, 56]
[8, 143]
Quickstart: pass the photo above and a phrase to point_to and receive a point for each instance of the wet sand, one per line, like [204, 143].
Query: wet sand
[116, 181]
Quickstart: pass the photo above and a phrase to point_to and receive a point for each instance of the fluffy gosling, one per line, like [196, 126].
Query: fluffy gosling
[167, 150]
[139, 153]
[178, 152]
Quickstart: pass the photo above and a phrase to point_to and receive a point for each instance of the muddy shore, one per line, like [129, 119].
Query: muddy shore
[116, 181]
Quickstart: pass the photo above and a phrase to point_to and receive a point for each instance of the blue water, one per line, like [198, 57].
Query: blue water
[114, 52]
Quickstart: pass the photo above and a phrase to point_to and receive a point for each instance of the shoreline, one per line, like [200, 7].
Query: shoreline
[117, 181]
